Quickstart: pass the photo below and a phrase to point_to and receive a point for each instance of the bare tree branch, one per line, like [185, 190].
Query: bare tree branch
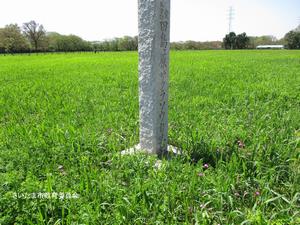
[34, 32]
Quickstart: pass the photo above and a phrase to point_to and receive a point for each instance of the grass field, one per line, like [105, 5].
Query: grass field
[64, 118]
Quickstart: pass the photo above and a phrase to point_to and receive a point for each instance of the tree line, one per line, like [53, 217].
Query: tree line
[291, 40]
[242, 41]
[32, 37]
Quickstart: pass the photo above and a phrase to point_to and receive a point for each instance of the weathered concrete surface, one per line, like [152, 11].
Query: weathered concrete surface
[171, 150]
[154, 44]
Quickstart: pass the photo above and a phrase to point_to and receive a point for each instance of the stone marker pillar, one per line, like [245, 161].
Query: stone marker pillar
[154, 44]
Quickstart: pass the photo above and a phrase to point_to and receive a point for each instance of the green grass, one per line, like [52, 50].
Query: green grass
[64, 118]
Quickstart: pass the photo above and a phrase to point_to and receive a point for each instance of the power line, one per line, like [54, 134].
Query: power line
[230, 18]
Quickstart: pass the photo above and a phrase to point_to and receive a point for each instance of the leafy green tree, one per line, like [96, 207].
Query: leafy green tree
[35, 33]
[128, 43]
[12, 40]
[52, 39]
[233, 41]
[229, 42]
[242, 41]
[177, 46]
[67, 43]
[194, 45]
[292, 39]
[190, 45]
[114, 44]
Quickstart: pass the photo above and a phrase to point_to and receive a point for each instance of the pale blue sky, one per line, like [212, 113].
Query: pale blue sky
[199, 20]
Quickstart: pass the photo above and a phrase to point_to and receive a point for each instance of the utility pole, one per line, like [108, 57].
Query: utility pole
[298, 25]
[230, 18]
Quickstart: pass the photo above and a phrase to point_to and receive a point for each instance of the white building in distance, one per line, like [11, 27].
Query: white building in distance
[270, 47]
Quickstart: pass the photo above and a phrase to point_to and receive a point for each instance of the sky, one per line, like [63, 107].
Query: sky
[199, 20]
